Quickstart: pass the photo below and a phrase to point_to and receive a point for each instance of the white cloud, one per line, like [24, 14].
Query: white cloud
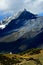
[3, 5]
[26, 1]
[35, 6]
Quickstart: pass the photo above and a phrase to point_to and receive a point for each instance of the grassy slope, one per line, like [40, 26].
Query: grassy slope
[28, 58]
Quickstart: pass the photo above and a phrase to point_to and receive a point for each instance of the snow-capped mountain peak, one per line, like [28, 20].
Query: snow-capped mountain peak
[22, 15]
[26, 15]
[24, 28]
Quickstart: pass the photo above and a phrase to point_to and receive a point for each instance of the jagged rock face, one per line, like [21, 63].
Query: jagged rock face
[14, 23]
[24, 30]
[26, 15]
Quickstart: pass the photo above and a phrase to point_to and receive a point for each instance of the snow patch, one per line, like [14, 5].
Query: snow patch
[2, 26]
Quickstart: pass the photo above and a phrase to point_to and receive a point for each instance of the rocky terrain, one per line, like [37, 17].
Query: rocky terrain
[29, 57]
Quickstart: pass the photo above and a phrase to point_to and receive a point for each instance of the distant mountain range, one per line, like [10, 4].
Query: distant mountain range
[21, 32]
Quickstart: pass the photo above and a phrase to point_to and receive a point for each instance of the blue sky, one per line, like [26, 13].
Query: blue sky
[10, 7]
[41, 14]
